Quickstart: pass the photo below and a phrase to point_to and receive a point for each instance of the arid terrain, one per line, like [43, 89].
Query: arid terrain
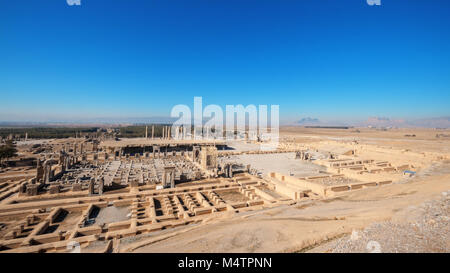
[322, 190]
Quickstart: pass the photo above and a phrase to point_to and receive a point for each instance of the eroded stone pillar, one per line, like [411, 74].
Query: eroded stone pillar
[169, 177]
[91, 186]
[101, 185]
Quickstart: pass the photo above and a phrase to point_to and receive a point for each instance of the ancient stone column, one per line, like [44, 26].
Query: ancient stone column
[47, 170]
[101, 185]
[22, 189]
[39, 170]
[91, 186]
[230, 170]
[169, 177]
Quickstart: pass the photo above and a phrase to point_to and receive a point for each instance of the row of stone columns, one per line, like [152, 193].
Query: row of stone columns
[166, 132]
[153, 132]
[180, 132]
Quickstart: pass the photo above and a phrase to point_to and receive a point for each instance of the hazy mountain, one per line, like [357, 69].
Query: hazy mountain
[440, 122]
[308, 121]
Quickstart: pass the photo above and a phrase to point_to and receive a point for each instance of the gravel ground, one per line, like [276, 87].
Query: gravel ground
[428, 230]
[112, 214]
[284, 163]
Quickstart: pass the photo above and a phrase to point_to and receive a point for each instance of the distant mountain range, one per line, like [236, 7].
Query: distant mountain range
[308, 121]
[379, 122]
[439, 122]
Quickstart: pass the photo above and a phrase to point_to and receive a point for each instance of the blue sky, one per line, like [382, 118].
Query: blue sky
[327, 59]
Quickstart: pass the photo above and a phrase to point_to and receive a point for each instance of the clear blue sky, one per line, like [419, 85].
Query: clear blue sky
[327, 59]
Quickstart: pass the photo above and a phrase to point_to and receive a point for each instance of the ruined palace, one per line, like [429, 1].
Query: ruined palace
[96, 191]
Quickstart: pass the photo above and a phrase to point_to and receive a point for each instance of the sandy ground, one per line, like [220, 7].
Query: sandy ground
[281, 163]
[112, 214]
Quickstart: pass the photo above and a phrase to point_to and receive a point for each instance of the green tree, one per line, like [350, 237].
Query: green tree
[7, 151]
